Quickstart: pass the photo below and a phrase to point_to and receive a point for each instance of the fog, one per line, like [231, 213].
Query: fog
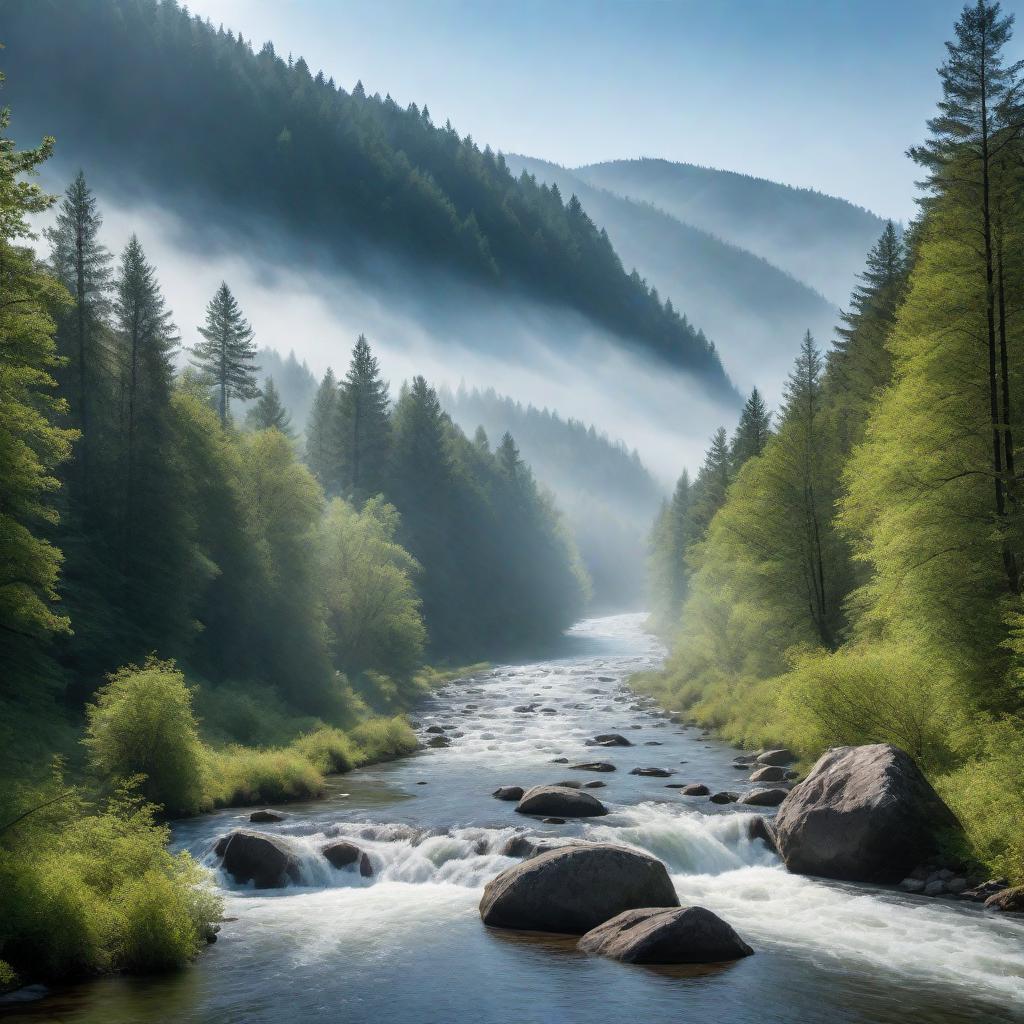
[423, 321]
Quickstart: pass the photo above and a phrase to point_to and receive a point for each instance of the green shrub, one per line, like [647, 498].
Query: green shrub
[250, 714]
[329, 750]
[241, 776]
[142, 724]
[90, 889]
[383, 739]
[987, 795]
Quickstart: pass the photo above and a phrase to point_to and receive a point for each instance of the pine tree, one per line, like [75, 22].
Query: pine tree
[712, 482]
[753, 431]
[226, 353]
[321, 431]
[363, 427]
[268, 413]
[968, 159]
[31, 445]
[82, 264]
[147, 341]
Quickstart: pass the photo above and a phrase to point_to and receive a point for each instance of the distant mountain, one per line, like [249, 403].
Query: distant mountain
[606, 493]
[754, 310]
[148, 99]
[819, 239]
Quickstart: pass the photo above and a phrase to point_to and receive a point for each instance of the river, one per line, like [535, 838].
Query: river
[407, 944]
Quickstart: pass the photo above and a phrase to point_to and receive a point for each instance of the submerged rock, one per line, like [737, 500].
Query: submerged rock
[654, 773]
[596, 784]
[265, 817]
[559, 801]
[574, 889]
[863, 814]
[654, 935]
[594, 766]
[612, 739]
[508, 793]
[265, 860]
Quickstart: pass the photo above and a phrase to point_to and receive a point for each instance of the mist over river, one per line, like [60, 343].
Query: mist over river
[407, 944]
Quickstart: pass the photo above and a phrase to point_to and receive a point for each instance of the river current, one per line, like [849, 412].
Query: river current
[407, 944]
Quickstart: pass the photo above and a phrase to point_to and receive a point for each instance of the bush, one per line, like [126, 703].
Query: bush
[329, 750]
[91, 889]
[142, 724]
[383, 739]
[987, 795]
[242, 776]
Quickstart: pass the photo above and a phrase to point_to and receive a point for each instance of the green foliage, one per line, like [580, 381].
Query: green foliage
[142, 724]
[32, 444]
[92, 888]
[243, 776]
[267, 413]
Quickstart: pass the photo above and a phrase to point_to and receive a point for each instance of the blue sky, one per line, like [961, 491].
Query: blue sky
[824, 94]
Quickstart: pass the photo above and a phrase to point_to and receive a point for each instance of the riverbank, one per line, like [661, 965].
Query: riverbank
[406, 941]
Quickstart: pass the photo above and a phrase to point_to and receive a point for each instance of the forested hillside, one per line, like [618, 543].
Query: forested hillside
[819, 239]
[194, 116]
[605, 491]
[855, 578]
[752, 306]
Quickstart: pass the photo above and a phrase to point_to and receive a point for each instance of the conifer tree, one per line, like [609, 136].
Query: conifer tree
[753, 431]
[147, 341]
[321, 431]
[226, 353]
[712, 482]
[31, 444]
[82, 264]
[968, 160]
[268, 413]
[363, 427]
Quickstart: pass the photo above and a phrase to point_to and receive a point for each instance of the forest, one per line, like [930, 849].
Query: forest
[231, 612]
[260, 135]
[847, 569]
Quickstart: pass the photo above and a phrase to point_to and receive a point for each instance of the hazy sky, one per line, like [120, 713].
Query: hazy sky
[823, 93]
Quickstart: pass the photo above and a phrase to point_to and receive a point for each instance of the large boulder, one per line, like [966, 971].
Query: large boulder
[574, 889]
[652, 935]
[1010, 901]
[782, 756]
[508, 793]
[769, 773]
[863, 814]
[264, 860]
[560, 801]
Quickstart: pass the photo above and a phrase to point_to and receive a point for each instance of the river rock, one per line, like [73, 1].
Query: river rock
[652, 935]
[596, 784]
[434, 729]
[769, 773]
[759, 827]
[439, 741]
[265, 860]
[561, 802]
[695, 789]
[782, 756]
[1009, 901]
[508, 793]
[764, 797]
[725, 797]
[612, 739]
[654, 773]
[266, 817]
[864, 814]
[574, 889]
[343, 853]
[981, 892]
[569, 784]
[553, 821]
[594, 766]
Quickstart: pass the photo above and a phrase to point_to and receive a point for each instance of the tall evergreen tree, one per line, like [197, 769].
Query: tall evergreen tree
[147, 341]
[226, 353]
[321, 431]
[973, 138]
[753, 431]
[268, 413]
[363, 426]
[82, 264]
[712, 482]
[31, 444]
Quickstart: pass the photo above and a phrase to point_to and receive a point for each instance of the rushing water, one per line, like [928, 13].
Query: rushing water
[407, 944]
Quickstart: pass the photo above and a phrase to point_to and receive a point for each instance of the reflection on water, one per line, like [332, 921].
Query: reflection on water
[407, 945]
